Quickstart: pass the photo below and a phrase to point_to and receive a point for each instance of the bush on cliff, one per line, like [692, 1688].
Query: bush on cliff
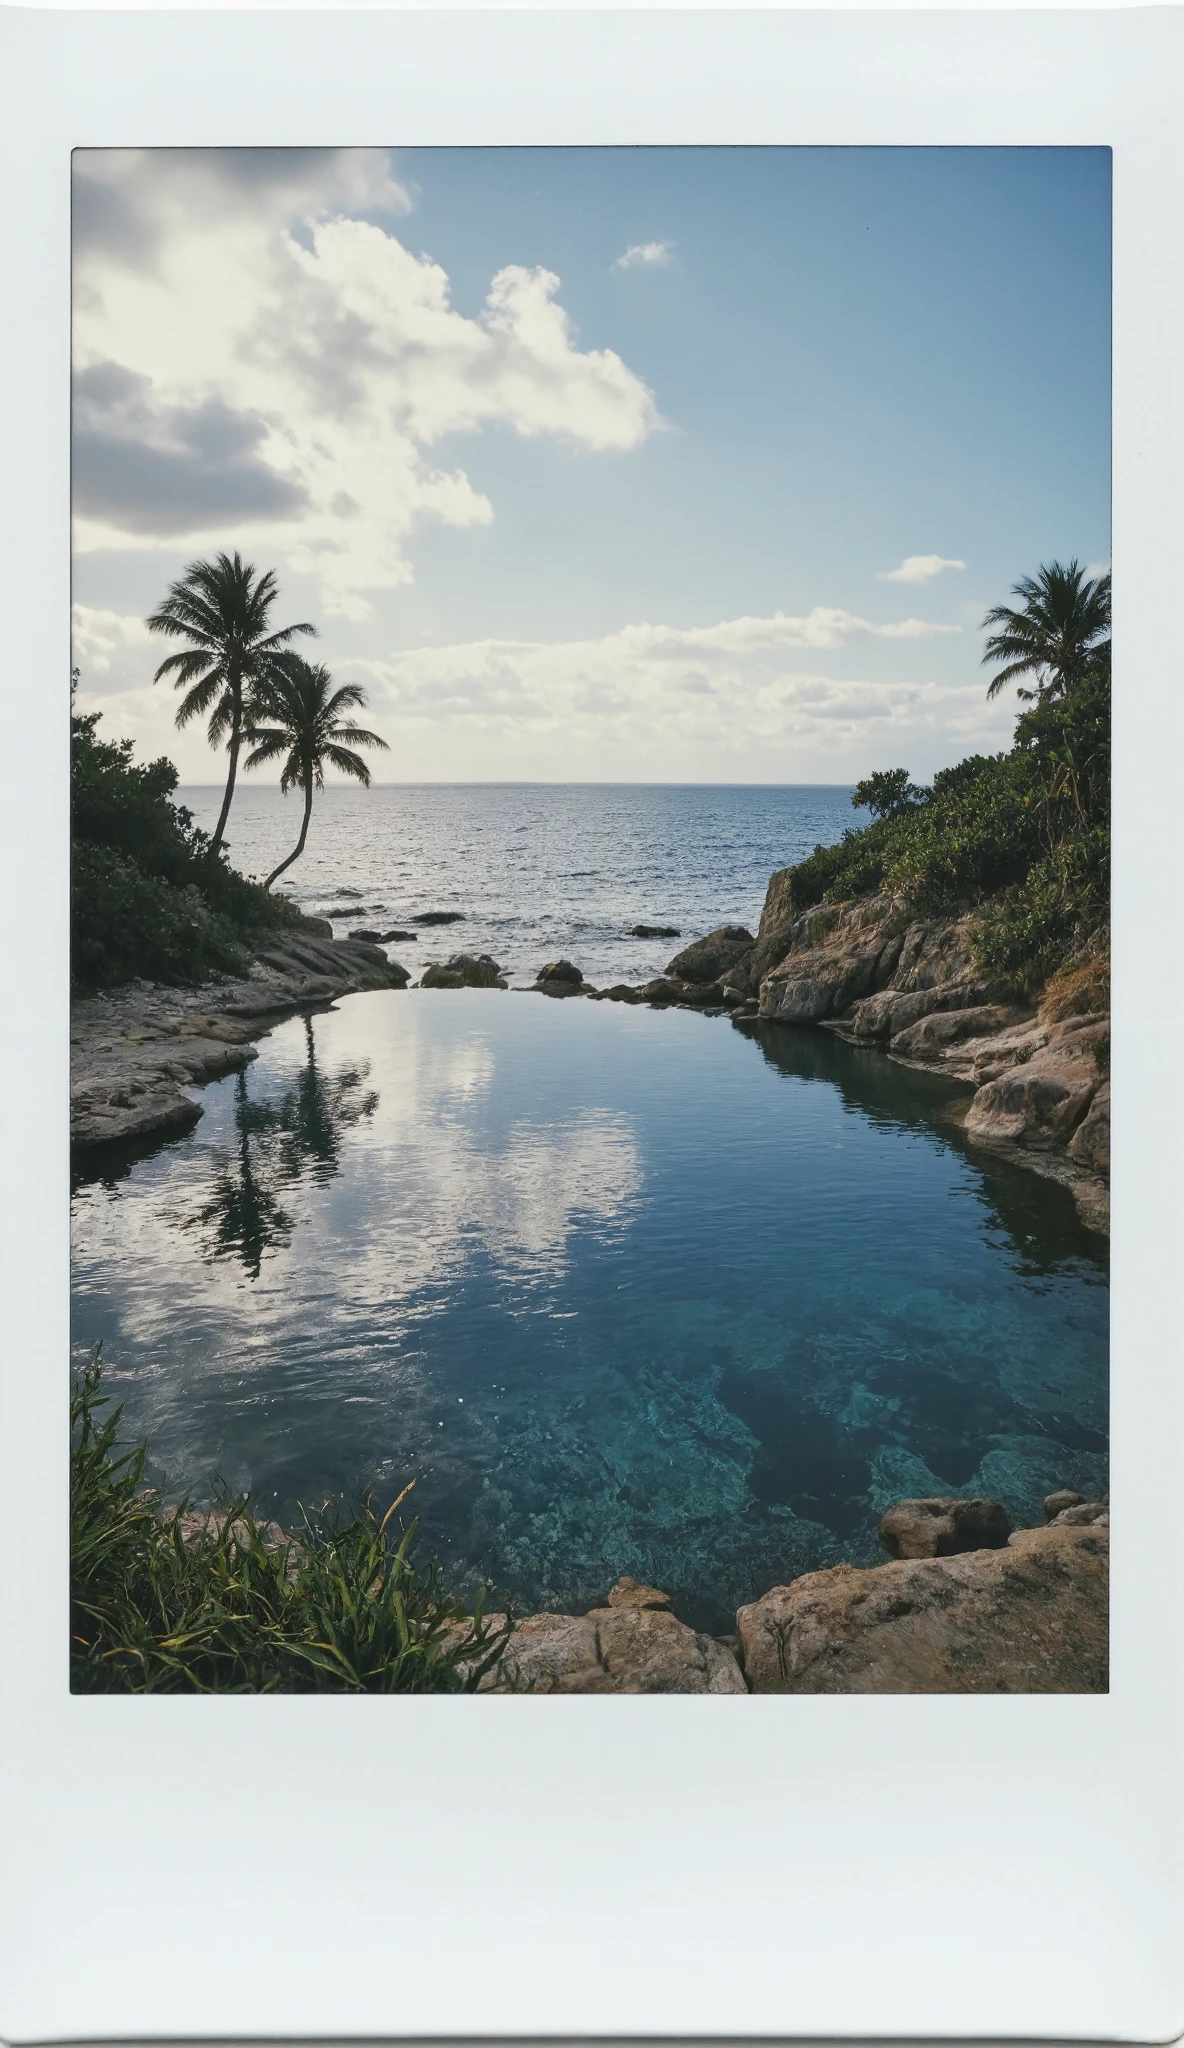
[147, 896]
[1022, 837]
[158, 1607]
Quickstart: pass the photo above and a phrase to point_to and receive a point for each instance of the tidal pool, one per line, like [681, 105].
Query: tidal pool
[624, 1290]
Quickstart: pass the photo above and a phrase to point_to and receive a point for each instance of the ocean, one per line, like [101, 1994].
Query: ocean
[538, 871]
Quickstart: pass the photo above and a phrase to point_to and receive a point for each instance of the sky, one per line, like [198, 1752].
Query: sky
[659, 465]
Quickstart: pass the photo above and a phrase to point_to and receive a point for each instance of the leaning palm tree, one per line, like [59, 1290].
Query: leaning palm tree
[222, 609]
[1054, 635]
[303, 710]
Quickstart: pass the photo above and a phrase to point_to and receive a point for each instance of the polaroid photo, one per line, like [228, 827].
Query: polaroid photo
[573, 851]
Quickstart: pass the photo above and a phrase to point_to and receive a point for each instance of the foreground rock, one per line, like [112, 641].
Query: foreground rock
[1031, 1617]
[134, 1051]
[464, 970]
[634, 1644]
[942, 1527]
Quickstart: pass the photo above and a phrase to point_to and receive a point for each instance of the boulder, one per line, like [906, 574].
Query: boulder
[633, 1644]
[439, 917]
[317, 927]
[891, 1011]
[929, 1038]
[1038, 1103]
[1084, 1514]
[560, 975]
[398, 938]
[464, 970]
[709, 958]
[795, 1002]
[654, 931]
[367, 938]
[1090, 1144]
[1056, 1503]
[662, 991]
[943, 1527]
[1031, 1617]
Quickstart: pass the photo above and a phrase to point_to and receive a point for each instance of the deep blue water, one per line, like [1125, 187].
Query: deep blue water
[536, 870]
[626, 1290]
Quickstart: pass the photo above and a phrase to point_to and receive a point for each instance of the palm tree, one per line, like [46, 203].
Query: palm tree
[222, 608]
[1054, 635]
[305, 710]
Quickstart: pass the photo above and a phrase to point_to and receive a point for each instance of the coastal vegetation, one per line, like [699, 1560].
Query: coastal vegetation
[1021, 838]
[296, 716]
[171, 1601]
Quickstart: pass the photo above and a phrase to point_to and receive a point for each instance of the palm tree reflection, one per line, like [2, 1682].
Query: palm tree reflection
[278, 1142]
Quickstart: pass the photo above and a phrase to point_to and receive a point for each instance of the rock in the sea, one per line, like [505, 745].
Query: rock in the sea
[1032, 1617]
[464, 970]
[398, 938]
[654, 931]
[660, 992]
[367, 938]
[711, 957]
[560, 977]
[1056, 1503]
[942, 1527]
[620, 992]
[634, 1644]
[439, 917]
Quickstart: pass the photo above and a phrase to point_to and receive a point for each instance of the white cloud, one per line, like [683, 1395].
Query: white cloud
[918, 569]
[302, 365]
[1093, 569]
[98, 638]
[646, 256]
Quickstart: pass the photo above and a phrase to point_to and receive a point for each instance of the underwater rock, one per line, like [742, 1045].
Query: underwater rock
[707, 959]
[943, 1526]
[1031, 1617]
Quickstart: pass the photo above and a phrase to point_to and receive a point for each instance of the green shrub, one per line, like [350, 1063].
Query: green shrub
[344, 1608]
[146, 898]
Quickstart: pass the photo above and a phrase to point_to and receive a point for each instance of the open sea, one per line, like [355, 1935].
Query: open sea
[623, 1290]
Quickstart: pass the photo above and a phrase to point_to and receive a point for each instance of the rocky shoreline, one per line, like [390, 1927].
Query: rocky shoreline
[967, 1605]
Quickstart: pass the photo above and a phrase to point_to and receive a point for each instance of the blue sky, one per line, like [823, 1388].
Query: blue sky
[650, 535]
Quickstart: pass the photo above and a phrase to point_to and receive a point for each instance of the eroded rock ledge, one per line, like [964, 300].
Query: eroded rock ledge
[966, 1606]
[134, 1051]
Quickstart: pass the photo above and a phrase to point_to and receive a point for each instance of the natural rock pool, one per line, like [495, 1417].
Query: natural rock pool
[628, 1291]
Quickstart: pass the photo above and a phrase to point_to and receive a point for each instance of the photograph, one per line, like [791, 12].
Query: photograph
[671, 583]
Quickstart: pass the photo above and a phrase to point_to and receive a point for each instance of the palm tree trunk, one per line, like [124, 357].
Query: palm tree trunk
[299, 847]
[236, 734]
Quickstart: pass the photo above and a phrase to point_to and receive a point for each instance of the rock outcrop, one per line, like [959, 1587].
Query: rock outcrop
[1030, 1617]
[135, 1050]
[633, 1644]
[943, 1527]
[709, 959]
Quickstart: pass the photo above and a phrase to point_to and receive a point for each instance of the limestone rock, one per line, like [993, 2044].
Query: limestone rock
[633, 1644]
[1090, 1143]
[464, 970]
[1056, 1503]
[1032, 1617]
[943, 1527]
[709, 958]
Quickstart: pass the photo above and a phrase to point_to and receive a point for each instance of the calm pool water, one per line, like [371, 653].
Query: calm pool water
[627, 1291]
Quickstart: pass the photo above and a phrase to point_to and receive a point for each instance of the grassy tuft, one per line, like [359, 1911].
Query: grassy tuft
[159, 1605]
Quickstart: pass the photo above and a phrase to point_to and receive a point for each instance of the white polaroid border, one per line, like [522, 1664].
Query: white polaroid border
[911, 1867]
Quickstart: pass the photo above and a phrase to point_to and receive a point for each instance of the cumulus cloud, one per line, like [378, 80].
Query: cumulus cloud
[252, 350]
[100, 638]
[918, 569]
[646, 256]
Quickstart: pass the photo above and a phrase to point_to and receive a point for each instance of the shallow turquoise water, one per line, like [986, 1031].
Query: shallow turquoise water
[628, 1291]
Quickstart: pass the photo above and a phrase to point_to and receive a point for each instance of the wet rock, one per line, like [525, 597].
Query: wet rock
[560, 978]
[1031, 1617]
[1090, 1144]
[661, 992]
[367, 938]
[654, 931]
[707, 959]
[620, 992]
[464, 970]
[633, 1644]
[439, 917]
[943, 1527]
